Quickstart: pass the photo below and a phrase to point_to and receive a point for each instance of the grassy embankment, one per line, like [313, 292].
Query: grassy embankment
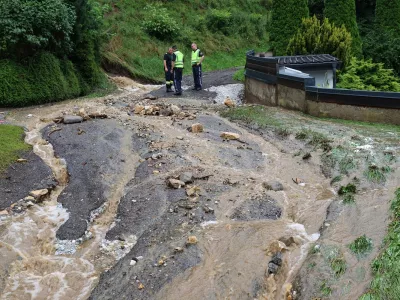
[11, 143]
[142, 31]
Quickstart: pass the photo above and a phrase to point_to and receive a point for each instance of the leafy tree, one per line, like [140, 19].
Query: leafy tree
[30, 26]
[316, 8]
[321, 37]
[343, 12]
[286, 18]
[366, 75]
[388, 14]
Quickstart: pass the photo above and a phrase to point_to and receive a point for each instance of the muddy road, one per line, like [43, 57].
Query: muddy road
[146, 207]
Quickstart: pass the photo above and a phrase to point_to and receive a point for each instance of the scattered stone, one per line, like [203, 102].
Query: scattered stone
[208, 209]
[186, 204]
[290, 241]
[178, 249]
[197, 128]
[82, 113]
[277, 258]
[299, 181]
[166, 112]
[175, 183]
[29, 204]
[98, 115]
[155, 172]
[138, 109]
[21, 160]
[272, 268]
[29, 198]
[72, 119]
[276, 246]
[38, 195]
[230, 136]
[192, 240]
[3, 213]
[186, 177]
[150, 97]
[156, 156]
[141, 286]
[193, 191]
[228, 102]
[132, 263]
[179, 138]
[273, 185]
[175, 109]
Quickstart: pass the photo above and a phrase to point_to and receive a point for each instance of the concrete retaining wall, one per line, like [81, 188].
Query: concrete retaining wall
[299, 94]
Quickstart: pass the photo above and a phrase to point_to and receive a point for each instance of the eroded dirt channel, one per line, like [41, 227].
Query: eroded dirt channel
[114, 229]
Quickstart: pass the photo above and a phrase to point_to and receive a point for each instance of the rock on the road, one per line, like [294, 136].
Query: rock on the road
[230, 136]
[186, 177]
[175, 109]
[228, 102]
[175, 183]
[72, 119]
[197, 128]
[38, 195]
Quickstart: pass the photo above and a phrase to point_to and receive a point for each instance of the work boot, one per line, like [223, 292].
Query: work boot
[169, 90]
[178, 93]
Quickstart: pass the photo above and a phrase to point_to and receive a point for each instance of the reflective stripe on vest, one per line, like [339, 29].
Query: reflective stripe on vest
[196, 57]
[179, 59]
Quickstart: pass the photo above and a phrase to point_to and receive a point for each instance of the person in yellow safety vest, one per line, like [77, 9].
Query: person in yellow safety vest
[169, 75]
[197, 59]
[177, 67]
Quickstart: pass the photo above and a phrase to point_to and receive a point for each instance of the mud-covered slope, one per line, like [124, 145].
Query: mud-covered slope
[92, 153]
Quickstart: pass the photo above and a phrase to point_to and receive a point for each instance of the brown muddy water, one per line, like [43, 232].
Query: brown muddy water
[308, 222]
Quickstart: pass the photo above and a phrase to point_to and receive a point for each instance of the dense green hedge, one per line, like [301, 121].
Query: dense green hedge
[40, 79]
[286, 19]
[388, 14]
[343, 12]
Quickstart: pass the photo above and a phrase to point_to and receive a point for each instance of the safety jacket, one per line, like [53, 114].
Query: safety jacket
[196, 57]
[178, 59]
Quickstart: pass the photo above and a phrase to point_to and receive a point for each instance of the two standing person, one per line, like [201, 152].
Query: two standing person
[174, 64]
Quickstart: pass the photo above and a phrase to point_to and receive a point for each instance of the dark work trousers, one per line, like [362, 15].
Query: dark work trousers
[198, 81]
[169, 78]
[178, 79]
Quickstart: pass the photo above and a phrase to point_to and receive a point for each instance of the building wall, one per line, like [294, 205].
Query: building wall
[291, 98]
[322, 77]
[351, 112]
[258, 92]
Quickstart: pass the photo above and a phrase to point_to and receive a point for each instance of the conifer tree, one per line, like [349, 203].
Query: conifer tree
[286, 19]
[388, 14]
[343, 12]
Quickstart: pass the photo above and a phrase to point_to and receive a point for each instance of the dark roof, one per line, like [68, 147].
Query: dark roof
[307, 59]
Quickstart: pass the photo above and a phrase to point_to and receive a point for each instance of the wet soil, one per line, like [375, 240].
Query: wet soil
[211, 239]
[92, 152]
[21, 178]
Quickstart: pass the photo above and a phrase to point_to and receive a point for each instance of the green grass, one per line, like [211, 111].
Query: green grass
[239, 75]
[336, 179]
[386, 267]
[347, 193]
[325, 289]
[376, 174]
[316, 139]
[361, 246]
[223, 29]
[11, 144]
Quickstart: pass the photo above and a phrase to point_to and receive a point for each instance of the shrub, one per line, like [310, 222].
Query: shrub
[343, 12]
[219, 20]
[316, 8]
[383, 46]
[29, 26]
[366, 75]
[158, 23]
[388, 14]
[286, 18]
[321, 37]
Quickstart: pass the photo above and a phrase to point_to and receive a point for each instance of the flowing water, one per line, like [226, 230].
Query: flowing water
[235, 252]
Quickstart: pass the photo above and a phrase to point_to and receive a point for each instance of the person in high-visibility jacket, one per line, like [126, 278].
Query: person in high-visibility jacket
[177, 67]
[197, 59]
[169, 57]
